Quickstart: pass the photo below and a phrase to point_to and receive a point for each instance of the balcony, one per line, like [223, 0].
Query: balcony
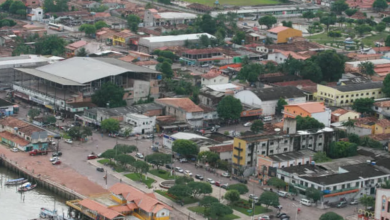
[238, 149]
[238, 157]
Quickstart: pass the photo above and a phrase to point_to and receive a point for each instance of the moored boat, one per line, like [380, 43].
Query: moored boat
[27, 187]
[16, 181]
[52, 214]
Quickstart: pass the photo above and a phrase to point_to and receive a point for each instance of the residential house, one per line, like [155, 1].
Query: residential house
[282, 34]
[294, 158]
[267, 98]
[154, 18]
[280, 56]
[341, 115]
[125, 38]
[184, 110]
[363, 126]
[123, 202]
[141, 124]
[382, 126]
[214, 77]
[209, 97]
[35, 14]
[316, 110]
[7, 108]
[344, 95]
[382, 108]
[225, 151]
[202, 56]
[295, 46]
[72, 49]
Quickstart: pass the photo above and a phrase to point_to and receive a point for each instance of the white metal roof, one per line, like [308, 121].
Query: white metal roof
[177, 15]
[264, 9]
[223, 87]
[170, 38]
[49, 77]
[20, 60]
[375, 62]
[186, 136]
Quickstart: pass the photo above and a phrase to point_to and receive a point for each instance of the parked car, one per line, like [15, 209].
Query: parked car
[248, 124]
[283, 194]
[14, 149]
[91, 157]
[57, 162]
[211, 181]
[183, 160]
[199, 177]
[354, 202]
[281, 215]
[168, 166]
[58, 117]
[57, 154]
[100, 169]
[139, 155]
[225, 186]
[54, 159]
[149, 136]
[264, 217]
[306, 202]
[342, 204]
[69, 141]
[217, 183]
[226, 174]
[267, 118]
[178, 169]
[188, 173]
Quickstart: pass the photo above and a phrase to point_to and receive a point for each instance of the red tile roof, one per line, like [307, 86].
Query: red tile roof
[292, 54]
[382, 103]
[102, 15]
[381, 49]
[382, 69]
[223, 148]
[311, 107]
[77, 44]
[14, 138]
[212, 74]
[365, 121]
[384, 123]
[184, 103]
[278, 29]
[101, 209]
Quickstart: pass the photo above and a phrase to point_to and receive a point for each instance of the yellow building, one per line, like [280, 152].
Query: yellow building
[122, 38]
[382, 126]
[345, 95]
[340, 115]
[282, 34]
[122, 202]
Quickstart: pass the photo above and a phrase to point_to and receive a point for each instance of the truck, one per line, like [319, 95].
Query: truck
[38, 152]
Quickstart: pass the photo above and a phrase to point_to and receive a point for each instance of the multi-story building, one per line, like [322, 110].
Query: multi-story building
[214, 77]
[316, 110]
[183, 109]
[345, 95]
[382, 108]
[154, 18]
[204, 56]
[140, 123]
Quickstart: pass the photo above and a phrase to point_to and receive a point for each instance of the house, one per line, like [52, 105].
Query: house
[344, 95]
[184, 110]
[341, 115]
[316, 110]
[72, 49]
[7, 108]
[363, 126]
[35, 14]
[32, 3]
[124, 38]
[280, 56]
[294, 158]
[267, 98]
[123, 202]
[382, 126]
[169, 139]
[214, 77]
[210, 97]
[225, 151]
[382, 108]
[154, 18]
[203, 56]
[141, 124]
[282, 34]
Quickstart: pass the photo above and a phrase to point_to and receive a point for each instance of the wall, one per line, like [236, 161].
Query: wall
[284, 35]
[215, 81]
[239, 143]
[141, 125]
[293, 111]
[349, 115]
[269, 107]
[46, 100]
[277, 57]
[195, 119]
[249, 98]
[141, 89]
[381, 130]
[361, 131]
[323, 117]
[180, 114]
[382, 203]
[227, 156]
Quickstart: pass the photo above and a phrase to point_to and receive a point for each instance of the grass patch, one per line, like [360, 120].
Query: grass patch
[104, 161]
[243, 206]
[234, 2]
[135, 177]
[324, 38]
[200, 210]
[370, 41]
[166, 175]
[186, 201]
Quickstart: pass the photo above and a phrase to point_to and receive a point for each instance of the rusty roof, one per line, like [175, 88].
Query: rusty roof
[22, 126]
[382, 103]
[183, 103]
[222, 148]
[14, 138]
[101, 209]
[365, 121]
[384, 123]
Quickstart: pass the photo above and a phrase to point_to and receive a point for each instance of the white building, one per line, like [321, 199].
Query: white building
[267, 98]
[35, 14]
[382, 108]
[280, 56]
[214, 77]
[141, 124]
[169, 139]
[225, 151]
[154, 18]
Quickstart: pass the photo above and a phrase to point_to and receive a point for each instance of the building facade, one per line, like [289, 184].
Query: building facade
[316, 110]
[283, 34]
[140, 123]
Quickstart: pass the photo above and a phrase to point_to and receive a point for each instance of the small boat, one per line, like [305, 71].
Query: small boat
[16, 181]
[52, 214]
[27, 187]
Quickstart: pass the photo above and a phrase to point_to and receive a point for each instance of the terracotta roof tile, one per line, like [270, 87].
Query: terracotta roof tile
[278, 29]
[77, 44]
[101, 209]
[22, 126]
[365, 121]
[384, 123]
[183, 103]
[381, 49]
[311, 107]
[382, 103]
[223, 148]
[339, 112]
[202, 51]
[212, 74]
[14, 138]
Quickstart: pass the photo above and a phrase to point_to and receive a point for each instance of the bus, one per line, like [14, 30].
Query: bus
[57, 27]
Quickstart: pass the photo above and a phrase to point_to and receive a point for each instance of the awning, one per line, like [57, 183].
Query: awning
[49, 107]
[21, 95]
[341, 193]
[169, 126]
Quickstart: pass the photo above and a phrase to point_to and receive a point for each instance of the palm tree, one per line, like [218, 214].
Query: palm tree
[386, 184]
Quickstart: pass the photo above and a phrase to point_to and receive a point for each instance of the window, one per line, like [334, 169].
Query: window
[367, 93]
[271, 151]
[346, 101]
[341, 102]
[346, 96]
[303, 146]
[362, 94]
[263, 152]
[334, 188]
[285, 141]
[320, 136]
[285, 149]
[263, 145]
[379, 92]
[343, 186]
[319, 144]
[342, 96]
[348, 185]
[319, 188]
[357, 184]
[307, 184]
[310, 145]
[271, 143]
[337, 97]
[352, 95]
[373, 93]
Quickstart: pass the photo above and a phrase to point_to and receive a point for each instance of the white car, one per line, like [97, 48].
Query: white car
[58, 117]
[225, 174]
[69, 141]
[14, 149]
[264, 217]
[188, 173]
[54, 159]
[211, 181]
[178, 169]
[139, 155]
[248, 124]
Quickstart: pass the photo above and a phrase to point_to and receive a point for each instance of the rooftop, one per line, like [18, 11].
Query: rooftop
[10, 62]
[278, 29]
[184, 103]
[202, 51]
[275, 93]
[14, 138]
[358, 87]
[22, 126]
[384, 123]
[382, 103]
[310, 107]
[177, 15]
[365, 121]
[212, 74]
[222, 148]
[341, 111]
[77, 44]
[171, 38]
[187, 136]
[298, 83]
[291, 155]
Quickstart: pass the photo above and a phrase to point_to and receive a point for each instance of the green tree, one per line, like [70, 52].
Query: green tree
[363, 105]
[185, 148]
[291, 66]
[208, 24]
[109, 95]
[88, 29]
[342, 149]
[76, 132]
[82, 52]
[331, 64]
[166, 69]
[50, 119]
[380, 27]
[209, 157]
[386, 85]
[110, 125]
[367, 201]
[380, 5]
[310, 70]
[339, 6]
[239, 37]
[314, 194]
[320, 157]
[109, 154]
[257, 126]
[183, 180]
[250, 71]
[167, 2]
[207, 201]
[124, 159]
[140, 167]
[125, 149]
[158, 159]
[55, 5]
[287, 24]
[199, 188]
[148, 6]
[241, 188]
[306, 123]
[218, 211]
[100, 24]
[269, 199]
[33, 113]
[354, 138]
[308, 15]
[232, 196]
[361, 29]
[6, 5]
[386, 184]
[276, 182]
[229, 108]
[15, 6]
[349, 124]
[50, 45]
[268, 21]
[350, 11]
[328, 20]
[331, 216]
[180, 191]
[280, 105]
[133, 22]
[367, 68]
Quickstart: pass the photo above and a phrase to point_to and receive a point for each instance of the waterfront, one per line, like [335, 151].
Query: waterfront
[13, 207]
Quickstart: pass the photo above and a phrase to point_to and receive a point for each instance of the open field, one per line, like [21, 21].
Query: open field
[235, 2]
